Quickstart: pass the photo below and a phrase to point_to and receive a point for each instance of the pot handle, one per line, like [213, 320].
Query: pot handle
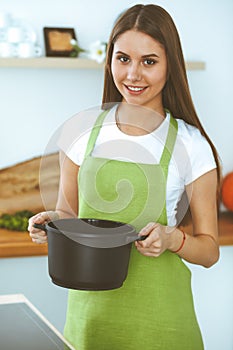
[134, 238]
[142, 238]
[40, 227]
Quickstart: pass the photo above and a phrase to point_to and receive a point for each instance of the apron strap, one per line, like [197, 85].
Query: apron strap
[95, 132]
[166, 157]
[169, 145]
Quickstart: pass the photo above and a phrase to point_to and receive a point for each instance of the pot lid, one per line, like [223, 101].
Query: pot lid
[95, 233]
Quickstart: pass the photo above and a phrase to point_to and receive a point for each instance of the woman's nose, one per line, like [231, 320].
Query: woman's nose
[134, 72]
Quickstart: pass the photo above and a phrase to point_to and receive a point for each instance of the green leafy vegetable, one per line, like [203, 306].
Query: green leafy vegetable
[17, 221]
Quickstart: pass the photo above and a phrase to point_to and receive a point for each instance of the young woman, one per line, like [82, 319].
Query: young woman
[160, 151]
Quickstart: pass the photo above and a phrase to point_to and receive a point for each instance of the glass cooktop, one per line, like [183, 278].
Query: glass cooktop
[22, 329]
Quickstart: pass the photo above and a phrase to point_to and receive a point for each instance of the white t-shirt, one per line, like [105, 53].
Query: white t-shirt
[192, 155]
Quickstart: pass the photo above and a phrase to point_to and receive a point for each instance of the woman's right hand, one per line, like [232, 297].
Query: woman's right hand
[37, 235]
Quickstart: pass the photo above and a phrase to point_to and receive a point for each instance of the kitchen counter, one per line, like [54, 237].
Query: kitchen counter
[15, 244]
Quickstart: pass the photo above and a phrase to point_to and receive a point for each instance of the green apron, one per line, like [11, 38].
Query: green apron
[154, 307]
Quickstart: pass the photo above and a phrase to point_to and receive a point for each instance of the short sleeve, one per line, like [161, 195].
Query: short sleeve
[201, 158]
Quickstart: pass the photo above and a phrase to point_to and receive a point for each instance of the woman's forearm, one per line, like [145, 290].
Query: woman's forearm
[201, 249]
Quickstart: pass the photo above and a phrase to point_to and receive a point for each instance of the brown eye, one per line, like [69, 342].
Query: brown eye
[149, 62]
[123, 59]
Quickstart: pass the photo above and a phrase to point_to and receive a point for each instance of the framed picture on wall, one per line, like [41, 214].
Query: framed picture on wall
[57, 41]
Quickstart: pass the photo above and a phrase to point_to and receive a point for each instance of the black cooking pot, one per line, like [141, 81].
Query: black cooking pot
[89, 254]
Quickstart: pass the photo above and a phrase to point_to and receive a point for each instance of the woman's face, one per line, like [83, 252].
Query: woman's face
[139, 69]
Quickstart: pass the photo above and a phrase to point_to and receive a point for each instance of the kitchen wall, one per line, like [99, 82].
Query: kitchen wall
[34, 102]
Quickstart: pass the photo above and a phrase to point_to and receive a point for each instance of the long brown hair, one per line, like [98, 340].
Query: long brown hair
[156, 22]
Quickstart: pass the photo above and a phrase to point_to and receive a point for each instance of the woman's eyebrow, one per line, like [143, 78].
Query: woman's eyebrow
[144, 56]
[150, 55]
[122, 53]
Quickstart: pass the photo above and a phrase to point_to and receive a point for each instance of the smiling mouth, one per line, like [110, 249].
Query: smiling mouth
[135, 89]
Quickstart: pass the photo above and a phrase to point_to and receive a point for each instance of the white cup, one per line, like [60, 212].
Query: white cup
[27, 49]
[5, 19]
[7, 50]
[15, 34]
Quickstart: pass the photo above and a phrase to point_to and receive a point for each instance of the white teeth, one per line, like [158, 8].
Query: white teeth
[135, 88]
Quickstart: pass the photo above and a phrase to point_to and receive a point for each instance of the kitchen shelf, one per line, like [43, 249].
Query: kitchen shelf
[70, 63]
[16, 244]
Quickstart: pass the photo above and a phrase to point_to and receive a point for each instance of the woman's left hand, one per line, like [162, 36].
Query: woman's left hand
[157, 242]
